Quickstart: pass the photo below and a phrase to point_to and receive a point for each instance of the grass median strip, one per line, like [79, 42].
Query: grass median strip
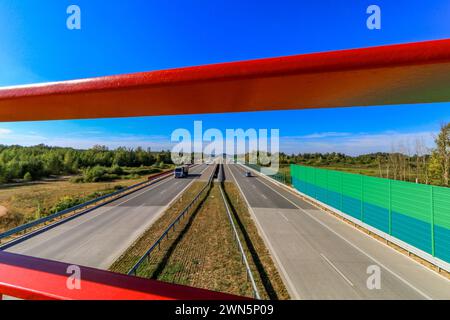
[266, 275]
[205, 255]
[142, 244]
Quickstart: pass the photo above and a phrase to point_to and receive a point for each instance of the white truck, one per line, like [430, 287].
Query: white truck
[181, 171]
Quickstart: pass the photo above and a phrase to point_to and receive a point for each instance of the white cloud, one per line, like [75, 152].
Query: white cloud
[5, 131]
[358, 143]
[324, 135]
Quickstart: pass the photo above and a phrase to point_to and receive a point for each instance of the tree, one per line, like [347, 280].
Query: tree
[434, 167]
[442, 153]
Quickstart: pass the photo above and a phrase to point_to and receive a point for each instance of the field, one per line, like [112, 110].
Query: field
[27, 202]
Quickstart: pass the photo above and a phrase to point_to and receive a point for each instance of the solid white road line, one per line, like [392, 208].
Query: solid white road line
[283, 216]
[336, 269]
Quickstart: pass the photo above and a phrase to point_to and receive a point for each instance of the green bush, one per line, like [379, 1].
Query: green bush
[94, 174]
[116, 169]
[131, 176]
[142, 170]
[27, 177]
[65, 203]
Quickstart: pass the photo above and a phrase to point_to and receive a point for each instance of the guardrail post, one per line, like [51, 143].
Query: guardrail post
[390, 207]
[362, 198]
[342, 190]
[432, 219]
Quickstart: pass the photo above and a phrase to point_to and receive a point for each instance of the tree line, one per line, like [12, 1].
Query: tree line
[32, 163]
[413, 162]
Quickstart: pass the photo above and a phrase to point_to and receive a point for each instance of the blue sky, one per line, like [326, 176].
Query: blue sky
[131, 36]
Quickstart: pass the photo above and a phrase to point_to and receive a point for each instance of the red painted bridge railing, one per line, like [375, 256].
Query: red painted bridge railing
[27, 277]
[394, 74]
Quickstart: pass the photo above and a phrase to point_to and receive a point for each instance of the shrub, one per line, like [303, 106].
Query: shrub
[65, 203]
[27, 177]
[116, 169]
[94, 174]
[109, 176]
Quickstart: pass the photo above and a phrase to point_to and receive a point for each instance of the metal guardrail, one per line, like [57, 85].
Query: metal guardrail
[241, 248]
[133, 270]
[43, 220]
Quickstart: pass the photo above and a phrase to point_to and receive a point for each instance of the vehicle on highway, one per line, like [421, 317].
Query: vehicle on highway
[248, 174]
[181, 171]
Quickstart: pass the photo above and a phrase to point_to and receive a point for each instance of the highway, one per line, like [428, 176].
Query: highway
[321, 257]
[98, 238]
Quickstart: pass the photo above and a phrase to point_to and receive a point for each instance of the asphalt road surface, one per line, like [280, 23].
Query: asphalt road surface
[321, 257]
[98, 238]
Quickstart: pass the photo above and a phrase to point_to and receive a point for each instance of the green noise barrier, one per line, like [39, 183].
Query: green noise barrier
[414, 213]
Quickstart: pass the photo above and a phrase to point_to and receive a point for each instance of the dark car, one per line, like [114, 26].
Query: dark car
[248, 174]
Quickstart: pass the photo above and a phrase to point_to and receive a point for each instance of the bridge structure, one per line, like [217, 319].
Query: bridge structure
[395, 74]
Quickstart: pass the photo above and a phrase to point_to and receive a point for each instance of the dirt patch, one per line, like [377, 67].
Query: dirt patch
[3, 211]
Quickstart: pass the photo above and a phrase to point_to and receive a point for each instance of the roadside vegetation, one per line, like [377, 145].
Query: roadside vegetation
[25, 203]
[40, 180]
[99, 163]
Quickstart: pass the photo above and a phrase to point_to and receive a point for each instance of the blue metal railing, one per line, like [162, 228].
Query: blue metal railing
[133, 270]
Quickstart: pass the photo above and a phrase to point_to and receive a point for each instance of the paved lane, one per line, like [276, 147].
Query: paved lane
[99, 237]
[321, 257]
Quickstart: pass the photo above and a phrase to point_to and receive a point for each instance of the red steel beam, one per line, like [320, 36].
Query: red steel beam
[394, 74]
[27, 277]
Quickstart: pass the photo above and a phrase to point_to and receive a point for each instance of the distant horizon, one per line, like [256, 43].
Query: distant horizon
[352, 131]
[402, 145]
